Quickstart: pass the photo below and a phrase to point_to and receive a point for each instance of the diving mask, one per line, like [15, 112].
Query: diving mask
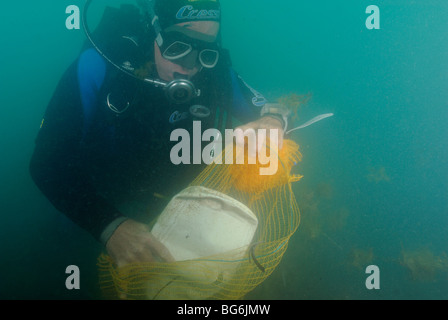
[180, 43]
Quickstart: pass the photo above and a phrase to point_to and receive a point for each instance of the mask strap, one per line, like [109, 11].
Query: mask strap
[148, 8]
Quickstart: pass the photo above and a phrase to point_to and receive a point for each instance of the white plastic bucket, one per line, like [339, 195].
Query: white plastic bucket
[202, 223]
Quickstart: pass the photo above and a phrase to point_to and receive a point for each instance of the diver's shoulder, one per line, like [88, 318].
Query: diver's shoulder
[90, 57]
[91, 65]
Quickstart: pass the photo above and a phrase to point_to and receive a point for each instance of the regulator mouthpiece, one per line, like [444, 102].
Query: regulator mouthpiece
[177, 91]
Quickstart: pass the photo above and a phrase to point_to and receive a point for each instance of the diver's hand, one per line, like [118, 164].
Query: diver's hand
[268, 123]
[133, 242]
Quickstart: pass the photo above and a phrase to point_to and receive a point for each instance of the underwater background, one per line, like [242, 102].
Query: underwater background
[375, 186]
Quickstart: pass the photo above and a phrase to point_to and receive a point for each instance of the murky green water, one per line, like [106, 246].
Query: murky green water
[375, 186]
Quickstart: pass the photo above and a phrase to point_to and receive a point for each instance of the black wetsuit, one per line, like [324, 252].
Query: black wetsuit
[96, 165]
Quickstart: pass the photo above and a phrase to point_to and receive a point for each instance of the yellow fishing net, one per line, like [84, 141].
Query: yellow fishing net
[231, 274]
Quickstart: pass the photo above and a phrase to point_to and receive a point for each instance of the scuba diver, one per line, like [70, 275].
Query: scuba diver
[102, 155]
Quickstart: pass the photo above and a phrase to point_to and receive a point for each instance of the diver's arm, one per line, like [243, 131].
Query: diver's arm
[67, 187]
[248, 103]
[247, 107]
[57, 165]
